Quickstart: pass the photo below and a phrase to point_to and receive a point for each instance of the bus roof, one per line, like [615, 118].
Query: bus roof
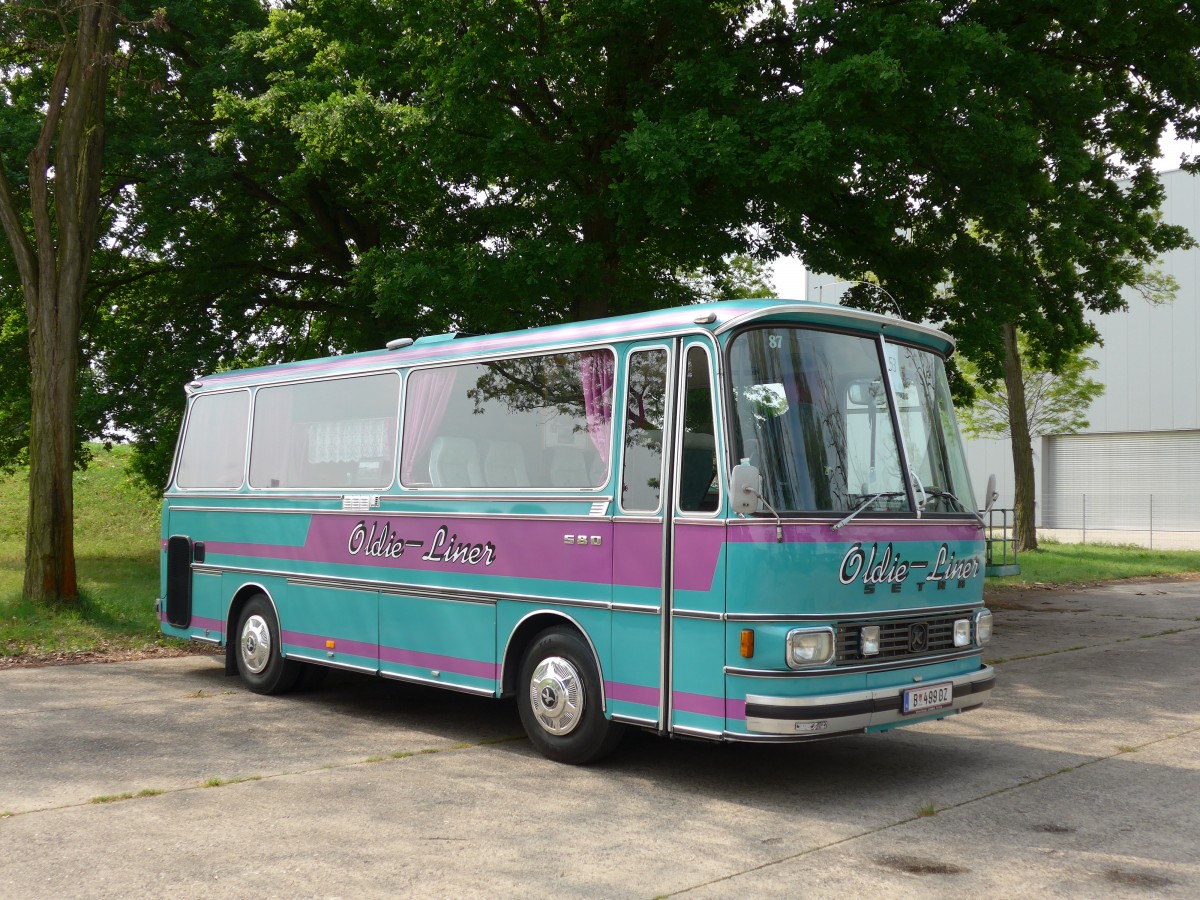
[716, 318]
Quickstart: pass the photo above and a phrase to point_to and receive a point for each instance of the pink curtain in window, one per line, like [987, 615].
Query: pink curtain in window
[424, 408]
[596, 373]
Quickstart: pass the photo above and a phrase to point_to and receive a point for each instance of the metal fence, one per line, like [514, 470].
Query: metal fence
[1123, 517]
[1001, 544]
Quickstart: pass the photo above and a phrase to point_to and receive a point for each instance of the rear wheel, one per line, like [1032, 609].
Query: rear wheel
[259, 650]
[560, 700]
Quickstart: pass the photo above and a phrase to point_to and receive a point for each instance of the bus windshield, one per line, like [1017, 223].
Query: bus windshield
[813, 411]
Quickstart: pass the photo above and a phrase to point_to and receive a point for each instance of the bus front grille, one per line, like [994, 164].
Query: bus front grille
[906, 638]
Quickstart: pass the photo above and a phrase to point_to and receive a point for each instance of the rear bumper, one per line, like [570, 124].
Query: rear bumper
[830, 714]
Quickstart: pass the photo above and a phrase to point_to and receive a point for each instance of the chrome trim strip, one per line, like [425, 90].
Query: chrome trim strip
[666, 627]
[772, 738]
[691, 731]
[450, 686]
[905, 519]
[635, 720]
[333, 663]
[887, 665]
[331, 583]
[635, 608]
[184, 494]
[908, 663]
[698, 614]
[438, 595]
[205, 569]
[206, 640]
[855, 617]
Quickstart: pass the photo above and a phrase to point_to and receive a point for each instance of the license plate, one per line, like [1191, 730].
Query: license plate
[929, 696]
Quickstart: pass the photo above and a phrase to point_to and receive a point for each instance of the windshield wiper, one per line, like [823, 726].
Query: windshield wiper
[864, 505]
[933, 491]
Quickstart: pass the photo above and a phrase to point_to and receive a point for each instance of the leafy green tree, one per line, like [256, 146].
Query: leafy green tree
[1055, 402]
[527, 162]
[991, 163]
[57, 61]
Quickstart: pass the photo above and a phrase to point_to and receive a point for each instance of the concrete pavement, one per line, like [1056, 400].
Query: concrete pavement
[1081, 779]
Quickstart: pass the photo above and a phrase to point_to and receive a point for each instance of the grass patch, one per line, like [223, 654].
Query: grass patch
[927, 810]
[221, 782]
[111, 798]
[116, 556]
[1055, 563]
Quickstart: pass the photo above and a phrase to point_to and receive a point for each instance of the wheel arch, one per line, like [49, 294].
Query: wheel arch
[523, 634]
[240, 598]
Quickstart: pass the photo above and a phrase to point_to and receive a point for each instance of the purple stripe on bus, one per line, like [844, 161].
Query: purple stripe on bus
[453, 664]
[340, 645]
[697, 549]
[637, 554]
[515, 549]
[702, 704]
[631, 693]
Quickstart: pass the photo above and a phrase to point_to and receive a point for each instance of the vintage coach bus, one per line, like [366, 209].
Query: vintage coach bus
[743, 521]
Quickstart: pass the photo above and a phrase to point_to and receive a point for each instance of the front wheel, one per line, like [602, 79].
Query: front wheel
[560, 700]
[259, 653]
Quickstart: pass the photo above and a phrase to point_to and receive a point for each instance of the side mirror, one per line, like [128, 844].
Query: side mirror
[745, 487]
[990, 495]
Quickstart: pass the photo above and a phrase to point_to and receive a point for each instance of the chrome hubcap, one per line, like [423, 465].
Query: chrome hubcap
[256, 644]
[556, 695]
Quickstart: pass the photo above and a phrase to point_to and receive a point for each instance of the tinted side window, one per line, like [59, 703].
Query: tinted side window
[698, 459]
[536, 421]
[326, 434]
[645, 399]
[213, 454]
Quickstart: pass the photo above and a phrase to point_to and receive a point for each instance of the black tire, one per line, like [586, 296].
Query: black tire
[559, 698]
[258, 650]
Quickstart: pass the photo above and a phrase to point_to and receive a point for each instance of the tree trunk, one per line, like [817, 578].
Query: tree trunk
[1022, 444]
[53, 264]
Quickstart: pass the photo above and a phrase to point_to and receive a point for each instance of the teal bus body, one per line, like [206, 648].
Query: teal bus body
[456, 529]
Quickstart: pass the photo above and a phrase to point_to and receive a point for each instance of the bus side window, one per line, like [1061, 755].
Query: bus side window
[214, 447]
[645, 399]
[698, 462]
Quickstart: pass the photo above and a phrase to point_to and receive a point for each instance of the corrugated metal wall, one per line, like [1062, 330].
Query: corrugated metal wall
[1128, 481]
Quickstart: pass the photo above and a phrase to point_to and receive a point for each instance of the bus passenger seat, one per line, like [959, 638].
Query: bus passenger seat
[504, 465]
[454, 462]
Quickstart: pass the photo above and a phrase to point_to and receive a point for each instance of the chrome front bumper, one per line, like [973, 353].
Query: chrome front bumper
[829, 714]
